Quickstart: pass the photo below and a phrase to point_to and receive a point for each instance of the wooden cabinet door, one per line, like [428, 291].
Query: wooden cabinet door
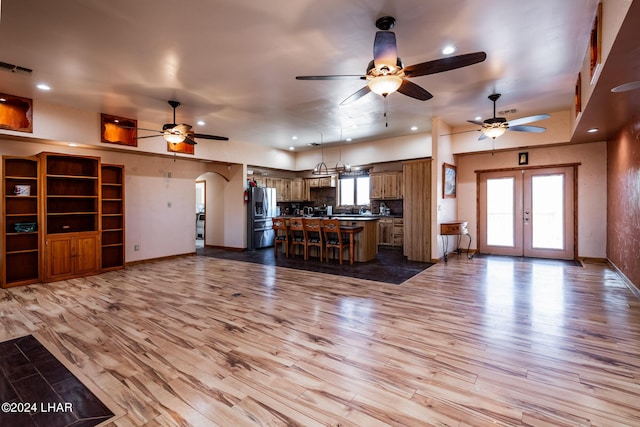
[390, 185]
[86, 255]
[385, 232]
[71, 255]
[297, 187]
[375, 186]
[59, 258]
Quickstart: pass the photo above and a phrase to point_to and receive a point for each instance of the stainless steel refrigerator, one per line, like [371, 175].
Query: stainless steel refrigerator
[261, 208]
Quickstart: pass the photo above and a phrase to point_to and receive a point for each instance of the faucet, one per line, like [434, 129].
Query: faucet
[361, 211]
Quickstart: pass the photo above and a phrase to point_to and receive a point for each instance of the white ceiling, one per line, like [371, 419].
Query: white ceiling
[232, 63]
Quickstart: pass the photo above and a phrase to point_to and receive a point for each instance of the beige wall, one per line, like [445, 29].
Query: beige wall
[159, 198]
[592, 187]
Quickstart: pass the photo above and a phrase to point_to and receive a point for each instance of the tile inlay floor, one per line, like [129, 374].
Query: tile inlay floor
[390, 266]
[36, 389]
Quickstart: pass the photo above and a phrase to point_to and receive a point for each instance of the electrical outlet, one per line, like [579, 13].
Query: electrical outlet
[136, 248]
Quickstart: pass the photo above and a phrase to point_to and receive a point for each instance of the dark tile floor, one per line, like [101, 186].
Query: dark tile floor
[390, 266]
[36, 389]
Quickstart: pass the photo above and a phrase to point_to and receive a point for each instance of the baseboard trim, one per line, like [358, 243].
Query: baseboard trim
[163, 258]
[632, 287]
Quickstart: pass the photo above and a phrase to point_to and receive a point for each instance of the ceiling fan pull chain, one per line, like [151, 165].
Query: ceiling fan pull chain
[386, 118]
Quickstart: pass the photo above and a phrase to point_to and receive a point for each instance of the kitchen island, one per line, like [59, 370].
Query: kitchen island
[365, 241]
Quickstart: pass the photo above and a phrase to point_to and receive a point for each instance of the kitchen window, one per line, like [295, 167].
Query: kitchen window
[354, 188]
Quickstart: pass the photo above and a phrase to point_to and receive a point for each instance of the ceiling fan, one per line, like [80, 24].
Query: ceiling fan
[496, 126]
[386, 73]
[176, 133]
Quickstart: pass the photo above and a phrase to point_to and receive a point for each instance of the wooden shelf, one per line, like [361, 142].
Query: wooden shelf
[112, 216]
[21, 256]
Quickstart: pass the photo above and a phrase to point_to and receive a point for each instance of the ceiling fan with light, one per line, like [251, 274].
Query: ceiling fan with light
[496, 126]
[386, 73]
[177, 133]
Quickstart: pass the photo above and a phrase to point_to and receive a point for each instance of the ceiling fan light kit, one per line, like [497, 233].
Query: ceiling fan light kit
[494, 131]
[385, 84]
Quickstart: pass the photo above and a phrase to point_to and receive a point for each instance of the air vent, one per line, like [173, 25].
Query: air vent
[314, 144]
[505, 112]
[15, 68]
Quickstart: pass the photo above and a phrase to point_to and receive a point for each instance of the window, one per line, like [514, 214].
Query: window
[354, 188]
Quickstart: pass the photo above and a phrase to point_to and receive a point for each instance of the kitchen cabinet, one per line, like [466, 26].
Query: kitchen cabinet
[71, 255]
[385, 232]
[300, 190]
[391, 232]
[322, 182]
[398, 232]
[417, 210]
[20, 216]
[385, 185]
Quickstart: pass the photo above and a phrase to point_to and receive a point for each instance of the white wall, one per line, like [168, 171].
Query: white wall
[592, 187]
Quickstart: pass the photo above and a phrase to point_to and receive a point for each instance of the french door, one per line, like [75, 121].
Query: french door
[527, 212]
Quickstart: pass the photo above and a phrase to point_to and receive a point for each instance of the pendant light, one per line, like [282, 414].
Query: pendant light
[340, 165]
[321, 168]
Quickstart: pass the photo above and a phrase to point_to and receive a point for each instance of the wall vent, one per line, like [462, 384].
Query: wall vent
[5, 66]
[505, 112]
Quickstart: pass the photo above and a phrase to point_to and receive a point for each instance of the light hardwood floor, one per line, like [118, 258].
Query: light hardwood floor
[201, 341]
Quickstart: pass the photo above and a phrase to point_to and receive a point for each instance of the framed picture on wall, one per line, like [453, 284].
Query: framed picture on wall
[523, 159]
[449, 181]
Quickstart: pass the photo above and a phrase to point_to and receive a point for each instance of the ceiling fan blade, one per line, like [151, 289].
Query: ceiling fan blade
[482, 137]
[189, 141]
[444, 64]
[333, 77]
[414, 91]
[149, 136]
[476, 122]
[536, 129]
[385, 51]
[354, 97]
[529, 119]
[133, 127]
[205, 136]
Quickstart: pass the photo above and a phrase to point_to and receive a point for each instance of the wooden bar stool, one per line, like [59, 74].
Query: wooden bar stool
[333, 238]
[298, 236]
[313, 235]
[282, 236]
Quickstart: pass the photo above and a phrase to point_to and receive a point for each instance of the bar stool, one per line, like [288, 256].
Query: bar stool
[298, 236]
[282, 236]
[333, 238]
[313, 235]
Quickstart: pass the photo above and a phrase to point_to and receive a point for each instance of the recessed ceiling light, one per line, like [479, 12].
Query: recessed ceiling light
[354, 126]
[43, 86]
[349, 139]
[592, 130]
[294, 137]
[291, 148]
[3, 100]
[478, 118]
[73, 145]
[414, 128]
[448, 50]
[200, 123]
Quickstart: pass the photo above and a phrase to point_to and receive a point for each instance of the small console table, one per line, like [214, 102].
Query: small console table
[454, 228]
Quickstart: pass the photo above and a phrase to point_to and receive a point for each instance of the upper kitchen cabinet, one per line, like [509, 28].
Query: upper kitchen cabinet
[322, 182]
[385, 185]
[300, 190]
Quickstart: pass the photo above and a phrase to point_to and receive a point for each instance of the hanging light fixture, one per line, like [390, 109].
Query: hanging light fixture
[385, 84]
[494, 130]
[340, 165]
[173, 136]
[321, 168]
